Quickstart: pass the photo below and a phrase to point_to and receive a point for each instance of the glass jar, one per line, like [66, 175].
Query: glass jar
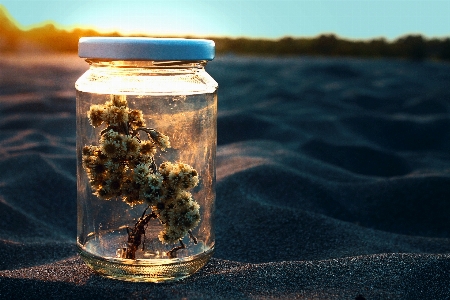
[146, 147]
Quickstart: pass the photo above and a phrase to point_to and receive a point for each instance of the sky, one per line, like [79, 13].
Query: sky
[351, 19]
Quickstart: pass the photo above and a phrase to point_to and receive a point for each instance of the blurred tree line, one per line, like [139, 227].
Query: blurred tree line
[415, 47]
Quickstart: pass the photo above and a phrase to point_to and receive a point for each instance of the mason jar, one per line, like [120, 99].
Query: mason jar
[146, 147]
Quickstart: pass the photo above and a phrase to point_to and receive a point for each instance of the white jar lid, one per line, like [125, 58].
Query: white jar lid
[141, 48]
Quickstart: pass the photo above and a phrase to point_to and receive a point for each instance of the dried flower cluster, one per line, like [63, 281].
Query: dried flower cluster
[123, 166]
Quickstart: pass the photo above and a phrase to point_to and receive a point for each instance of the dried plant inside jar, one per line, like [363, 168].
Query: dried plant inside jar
[122, 166]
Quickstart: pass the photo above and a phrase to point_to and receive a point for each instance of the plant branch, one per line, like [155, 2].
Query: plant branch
[173, 253]
[193, 238]
[135, 234]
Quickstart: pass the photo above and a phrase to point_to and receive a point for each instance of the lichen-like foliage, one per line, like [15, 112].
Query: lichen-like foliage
[122, 166]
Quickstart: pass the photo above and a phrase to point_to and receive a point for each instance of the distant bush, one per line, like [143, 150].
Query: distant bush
[414, 47]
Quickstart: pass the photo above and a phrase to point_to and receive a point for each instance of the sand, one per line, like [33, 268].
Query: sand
[333, 181]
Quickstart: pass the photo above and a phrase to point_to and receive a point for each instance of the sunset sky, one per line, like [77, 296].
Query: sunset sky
[361, 19]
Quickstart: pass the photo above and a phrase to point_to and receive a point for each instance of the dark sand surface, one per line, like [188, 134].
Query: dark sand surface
[333, 182]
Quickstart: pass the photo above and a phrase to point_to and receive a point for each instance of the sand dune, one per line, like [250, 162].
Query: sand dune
[333, 181]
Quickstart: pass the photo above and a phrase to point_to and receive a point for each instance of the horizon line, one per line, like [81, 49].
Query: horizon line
[74, 27]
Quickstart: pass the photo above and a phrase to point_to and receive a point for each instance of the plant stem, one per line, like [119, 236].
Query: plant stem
[173, 253]
[135, 235]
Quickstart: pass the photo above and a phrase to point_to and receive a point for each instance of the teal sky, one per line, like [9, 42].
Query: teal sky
[357, 19]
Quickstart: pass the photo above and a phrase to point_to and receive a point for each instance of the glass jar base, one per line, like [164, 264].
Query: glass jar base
[146, 270]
